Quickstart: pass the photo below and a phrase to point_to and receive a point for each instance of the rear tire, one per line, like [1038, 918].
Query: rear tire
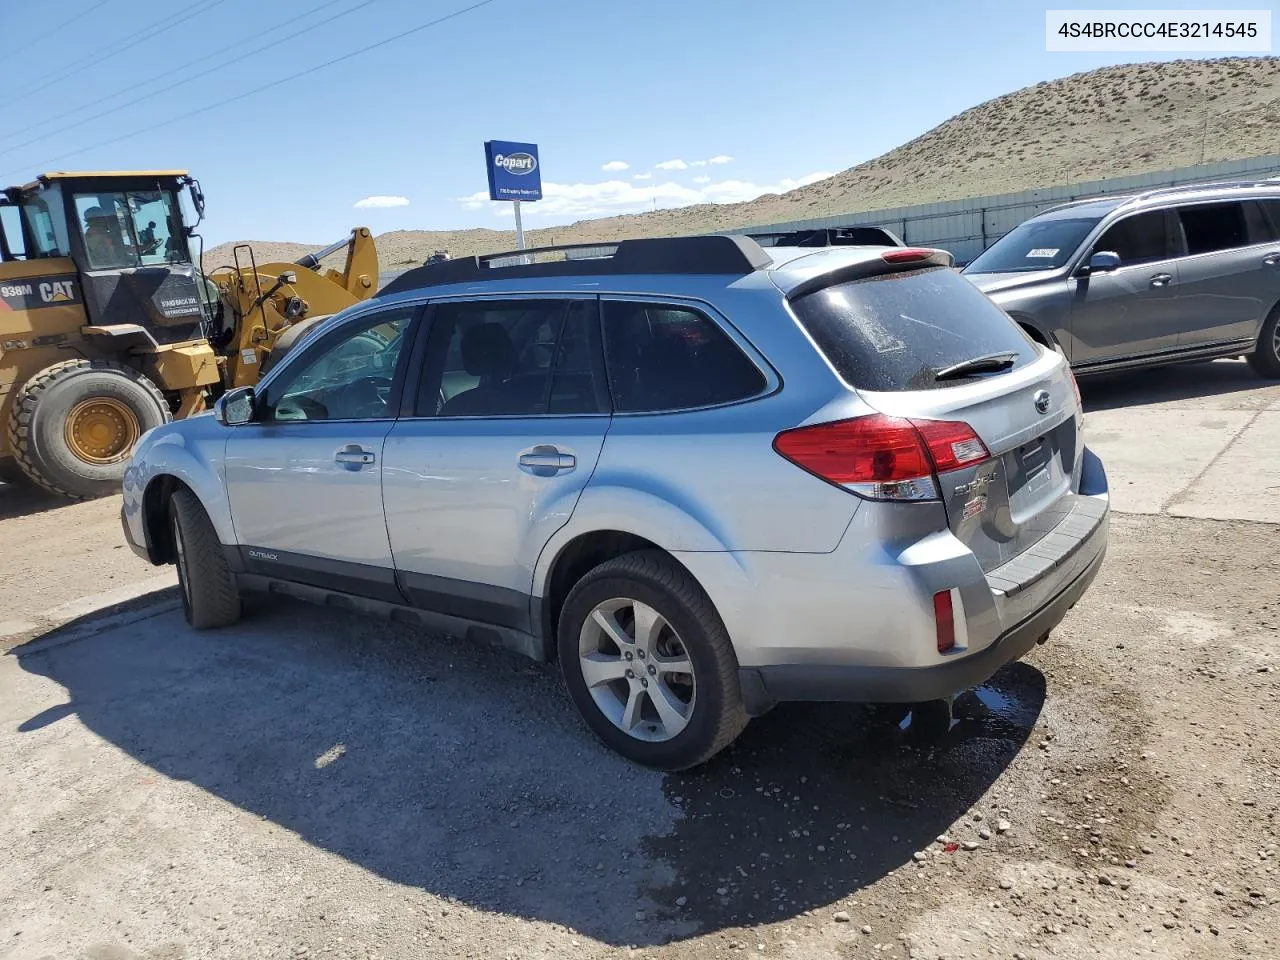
[1265, 360]
[74, 425]
[690, 707]
[210, 597]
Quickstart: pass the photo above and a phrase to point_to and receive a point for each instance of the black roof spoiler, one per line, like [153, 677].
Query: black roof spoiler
[716, 254]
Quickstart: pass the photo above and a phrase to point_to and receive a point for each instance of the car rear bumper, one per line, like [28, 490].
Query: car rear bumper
[858, 624]
[765, 686]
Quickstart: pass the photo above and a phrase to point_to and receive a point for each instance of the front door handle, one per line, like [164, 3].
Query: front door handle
[545, 460]
[1161, 279]
[1271, 259]
[354, 455]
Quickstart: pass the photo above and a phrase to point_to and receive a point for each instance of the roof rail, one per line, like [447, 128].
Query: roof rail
[1204, 185]
[1171, 189]
[716, 254]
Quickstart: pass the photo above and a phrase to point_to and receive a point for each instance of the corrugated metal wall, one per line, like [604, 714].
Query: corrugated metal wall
[967, 227]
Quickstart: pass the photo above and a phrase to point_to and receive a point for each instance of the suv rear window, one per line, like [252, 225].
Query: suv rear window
[897, 331]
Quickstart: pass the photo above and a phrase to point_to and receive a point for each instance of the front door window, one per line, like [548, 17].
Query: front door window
[134, 228]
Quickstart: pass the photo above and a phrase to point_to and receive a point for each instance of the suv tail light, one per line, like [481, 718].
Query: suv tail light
[881, 457]
[1076, 387]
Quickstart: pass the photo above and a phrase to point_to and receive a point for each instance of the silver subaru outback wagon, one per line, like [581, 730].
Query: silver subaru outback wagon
[705, 477]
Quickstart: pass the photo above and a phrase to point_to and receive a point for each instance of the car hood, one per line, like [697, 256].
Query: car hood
[990, 283]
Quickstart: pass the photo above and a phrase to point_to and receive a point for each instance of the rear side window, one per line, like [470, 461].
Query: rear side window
[1142, 238]
[1271, 210]
[665, 357]
[898, 331]
[503, 358]
[1213, 226]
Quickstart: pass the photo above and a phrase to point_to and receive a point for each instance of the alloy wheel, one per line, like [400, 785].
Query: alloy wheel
[637, 670]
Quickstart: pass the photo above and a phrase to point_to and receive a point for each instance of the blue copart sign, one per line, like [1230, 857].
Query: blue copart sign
[514, 173]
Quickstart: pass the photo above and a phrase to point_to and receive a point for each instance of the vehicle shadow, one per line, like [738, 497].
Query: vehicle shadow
[464, 772]
[23, 500]
[1187, 381]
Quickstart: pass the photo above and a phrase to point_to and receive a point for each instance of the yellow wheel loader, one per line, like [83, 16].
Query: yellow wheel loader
[109, 328]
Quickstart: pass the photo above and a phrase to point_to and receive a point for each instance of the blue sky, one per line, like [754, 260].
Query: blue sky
[746, 95]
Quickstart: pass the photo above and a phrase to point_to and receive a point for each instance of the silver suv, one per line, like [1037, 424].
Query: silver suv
[706, 477]
[1182, 273]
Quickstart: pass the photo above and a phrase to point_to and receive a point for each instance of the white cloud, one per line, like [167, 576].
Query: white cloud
[378, 201]
[720, 158]
[672, 165]
[642, 176]
[612, 197]
[701, 179]
[613, 165]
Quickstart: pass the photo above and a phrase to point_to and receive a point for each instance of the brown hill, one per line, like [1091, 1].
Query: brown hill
[1104, 123]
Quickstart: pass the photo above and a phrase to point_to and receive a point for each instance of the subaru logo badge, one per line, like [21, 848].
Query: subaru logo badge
[1041, 400]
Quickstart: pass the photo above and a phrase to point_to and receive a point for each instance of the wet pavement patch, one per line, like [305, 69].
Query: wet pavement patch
[816, 801]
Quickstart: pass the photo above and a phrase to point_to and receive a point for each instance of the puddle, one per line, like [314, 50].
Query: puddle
[986, 711]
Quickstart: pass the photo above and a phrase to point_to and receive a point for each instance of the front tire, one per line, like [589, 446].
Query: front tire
[74, 425]
[1265, 360]
[649, 664]
[210, 597]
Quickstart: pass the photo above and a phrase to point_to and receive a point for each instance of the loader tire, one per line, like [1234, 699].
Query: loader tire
[210, 596]
[74, 424]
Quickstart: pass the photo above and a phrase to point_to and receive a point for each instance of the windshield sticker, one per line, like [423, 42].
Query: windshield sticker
[1043, 252]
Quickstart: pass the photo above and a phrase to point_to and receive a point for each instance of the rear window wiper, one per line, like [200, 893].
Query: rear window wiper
[990, 363]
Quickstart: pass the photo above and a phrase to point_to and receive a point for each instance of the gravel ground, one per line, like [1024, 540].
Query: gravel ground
[310, 783]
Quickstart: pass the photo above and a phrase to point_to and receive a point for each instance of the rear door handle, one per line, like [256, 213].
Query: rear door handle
[1161, 279]
[1271, 259]
[354, 454]
[546, 460]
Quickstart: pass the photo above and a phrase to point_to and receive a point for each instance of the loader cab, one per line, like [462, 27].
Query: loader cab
[126, 237]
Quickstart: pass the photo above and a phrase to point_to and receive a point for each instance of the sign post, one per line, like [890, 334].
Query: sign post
[514, 174]
[515, 207]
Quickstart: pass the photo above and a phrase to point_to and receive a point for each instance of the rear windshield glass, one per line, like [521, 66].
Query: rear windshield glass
[1034, 245]
[898, 331]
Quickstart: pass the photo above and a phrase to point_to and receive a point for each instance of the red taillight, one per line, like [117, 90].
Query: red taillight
[952, 444]
[884, 457]
[874, 449]
[945, 617]
[1076, 387]
[907, 254]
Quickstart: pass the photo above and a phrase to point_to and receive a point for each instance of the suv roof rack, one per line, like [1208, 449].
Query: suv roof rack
[1171, 190]
[716, 254]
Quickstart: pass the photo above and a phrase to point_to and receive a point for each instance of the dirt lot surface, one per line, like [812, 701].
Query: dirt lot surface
[312, 784]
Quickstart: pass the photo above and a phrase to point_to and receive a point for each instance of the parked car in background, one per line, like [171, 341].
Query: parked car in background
[706, 477]
[1183, 273]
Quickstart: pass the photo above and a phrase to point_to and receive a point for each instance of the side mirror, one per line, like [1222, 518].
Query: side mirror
[1104, 261]
[197, 198]
[235, 407]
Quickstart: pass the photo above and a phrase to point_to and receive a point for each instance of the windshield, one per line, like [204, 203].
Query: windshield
[134, 229]
[1034, 245]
